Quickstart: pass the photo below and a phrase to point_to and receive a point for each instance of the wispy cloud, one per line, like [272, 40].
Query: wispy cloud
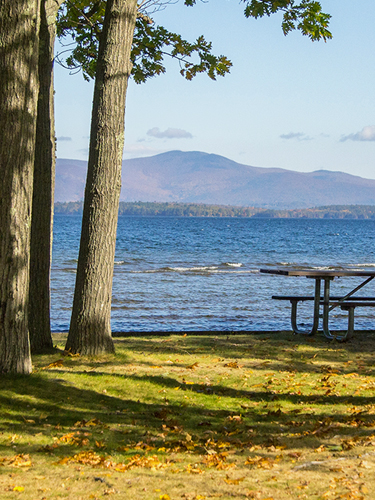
[170, 133]
[63, 138]
[298, 136]
[366, 134]
[83, 152]
[138, 150]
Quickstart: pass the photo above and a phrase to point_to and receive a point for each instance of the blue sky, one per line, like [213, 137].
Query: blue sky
[287, 102]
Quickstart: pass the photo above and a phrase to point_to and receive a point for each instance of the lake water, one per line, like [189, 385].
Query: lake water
[176, 274]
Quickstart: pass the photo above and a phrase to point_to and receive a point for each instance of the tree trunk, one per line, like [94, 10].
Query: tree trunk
[19, 29]
[90, 330]
[44, 185]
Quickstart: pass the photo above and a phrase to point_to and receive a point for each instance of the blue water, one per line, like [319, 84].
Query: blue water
[175, 274]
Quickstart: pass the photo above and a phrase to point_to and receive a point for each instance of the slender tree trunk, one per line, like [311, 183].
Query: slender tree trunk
[19, 30]
[44, 185]
[90, 330]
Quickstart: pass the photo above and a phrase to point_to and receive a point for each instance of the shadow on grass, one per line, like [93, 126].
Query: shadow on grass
[240, 345]
[37, 406]
[278, 352]
[172, 415]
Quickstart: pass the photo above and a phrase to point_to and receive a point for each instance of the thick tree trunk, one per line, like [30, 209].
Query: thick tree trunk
[19, 28]
[90, 330]
[44, 185]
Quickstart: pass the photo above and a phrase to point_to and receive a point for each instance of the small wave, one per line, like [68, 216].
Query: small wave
[365, 264]
[191, 269]
[119, 262]
[244, 271]
[232, 264]
[294, 265]
[326, 268]
[197, 270]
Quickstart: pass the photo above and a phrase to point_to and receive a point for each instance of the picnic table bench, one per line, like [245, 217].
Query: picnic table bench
[334, 301]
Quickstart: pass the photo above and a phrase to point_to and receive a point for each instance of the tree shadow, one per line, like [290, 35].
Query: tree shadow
[53, 407]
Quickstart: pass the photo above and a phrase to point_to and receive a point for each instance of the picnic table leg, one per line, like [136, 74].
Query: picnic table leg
[326, 310]
[315, 325]
[350, 331]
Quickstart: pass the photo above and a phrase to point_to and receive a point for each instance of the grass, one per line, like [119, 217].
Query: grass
[267, 416]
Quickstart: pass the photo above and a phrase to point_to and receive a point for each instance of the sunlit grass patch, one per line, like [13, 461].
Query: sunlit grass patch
[257, 416]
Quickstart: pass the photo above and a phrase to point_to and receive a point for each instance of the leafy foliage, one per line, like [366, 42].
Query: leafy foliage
[82, 21]
[306, 16]
[141, 208]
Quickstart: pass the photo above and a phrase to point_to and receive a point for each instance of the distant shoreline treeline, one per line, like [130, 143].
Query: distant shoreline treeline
[202, 210]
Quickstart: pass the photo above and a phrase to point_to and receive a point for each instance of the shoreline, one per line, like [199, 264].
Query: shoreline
[221, 333]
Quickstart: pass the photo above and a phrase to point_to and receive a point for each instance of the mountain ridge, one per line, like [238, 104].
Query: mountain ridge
[197, 177]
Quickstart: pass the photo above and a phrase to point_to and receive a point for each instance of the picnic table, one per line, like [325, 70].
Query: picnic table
[347, 302]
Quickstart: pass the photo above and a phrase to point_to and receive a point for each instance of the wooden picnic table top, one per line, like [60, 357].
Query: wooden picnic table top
[319, 273]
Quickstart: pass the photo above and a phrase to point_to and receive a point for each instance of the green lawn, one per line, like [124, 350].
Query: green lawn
[270, 416]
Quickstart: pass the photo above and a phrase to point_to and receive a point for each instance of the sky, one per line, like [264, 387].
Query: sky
[287, 102]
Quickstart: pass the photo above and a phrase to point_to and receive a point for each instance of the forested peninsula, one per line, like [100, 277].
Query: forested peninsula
[203, 210]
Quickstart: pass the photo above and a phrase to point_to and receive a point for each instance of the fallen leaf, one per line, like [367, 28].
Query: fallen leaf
[232, 364]
[234, 481]
[70, 354]
[55, 364]
[20, 461]
[109, 491]
[28, 420]
[192, 367]
[365, 465]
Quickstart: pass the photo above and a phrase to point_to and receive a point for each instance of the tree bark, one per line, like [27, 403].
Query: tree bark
[19, 30]
[44, 186]
[90, 330]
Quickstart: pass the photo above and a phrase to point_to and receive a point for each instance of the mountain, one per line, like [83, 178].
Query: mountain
[207, 178]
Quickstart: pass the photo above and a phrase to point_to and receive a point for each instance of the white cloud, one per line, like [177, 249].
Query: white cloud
[63, 138]
[170, 133]
[299, 136]
[366, 134]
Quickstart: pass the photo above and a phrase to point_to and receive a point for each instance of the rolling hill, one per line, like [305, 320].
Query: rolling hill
[207, 178]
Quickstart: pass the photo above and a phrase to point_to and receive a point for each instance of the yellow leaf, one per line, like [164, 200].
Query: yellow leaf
[56, 364]
[69, 353]
[320, 449]
[192, 367]
[186, 382]
[365, 465]
[232, 364]
[164, 497]
[18, 488]
[234, 481]
[20, 461]
[28, 420]
[109, 491]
